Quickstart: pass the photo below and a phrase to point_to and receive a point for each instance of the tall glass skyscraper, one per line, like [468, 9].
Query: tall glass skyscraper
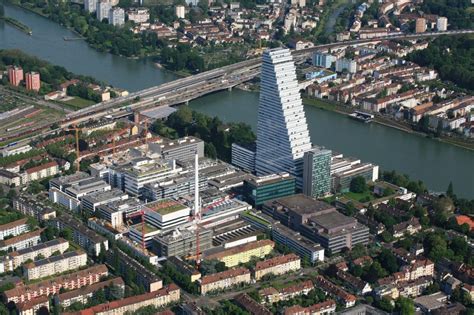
[282, 131]
[317, 172]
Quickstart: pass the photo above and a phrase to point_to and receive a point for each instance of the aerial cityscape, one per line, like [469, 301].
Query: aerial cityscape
[248, 157]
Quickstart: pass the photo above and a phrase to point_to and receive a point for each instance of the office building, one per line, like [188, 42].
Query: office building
[242, 253]
[85, 294]
[15, 75]
[131, 305]
[346, 64]
[166, 214]
[138, 15]
[277, 266]
[317, 172]
[302, 246]
[318, 221]
[45, 249]
[90, 5]
[173, 187]
[102, 10]
[243, 157]
[33, 82]
[323, 60]
[14, 228]
[224, 280]
[52, 286]
[282, 132]
[69, 190]
[182, 149]
[21, 241]
[180, 11]
[420, 25]
[258, 190]
[117, 16]
[55, 264]
[344, 169]
[442, 24]
[90, 202]
[133, 176]
[92, 242]
[181, 242]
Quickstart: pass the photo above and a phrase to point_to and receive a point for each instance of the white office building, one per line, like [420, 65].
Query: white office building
[90, 5]
[117, 16]
[346, 64]
[102, 10]
[282, 131]
[180, 11]
[442, 24]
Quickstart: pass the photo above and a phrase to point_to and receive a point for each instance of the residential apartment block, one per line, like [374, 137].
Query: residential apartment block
[129, 305]
[324, 308]
[224, 280]
[277, 266]
[14, 228]
[242, 253]
[272, 295]
[84, 294]
[30, 205]
[45, 249]
[22, 293]
[346, 299]
[82, 235]
[55, 264]
[21, 241]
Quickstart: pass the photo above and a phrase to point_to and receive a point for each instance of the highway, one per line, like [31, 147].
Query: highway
[191, 87]
[186, 89]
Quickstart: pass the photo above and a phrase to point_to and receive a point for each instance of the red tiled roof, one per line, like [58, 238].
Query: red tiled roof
[10, 225]
[41, 167]
[231, 273]
[276, 261]
[464, 219]
[126, 301]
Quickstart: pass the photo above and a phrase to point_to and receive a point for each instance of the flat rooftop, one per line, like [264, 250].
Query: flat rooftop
[165, 206]
[332, 220]
[301, 204]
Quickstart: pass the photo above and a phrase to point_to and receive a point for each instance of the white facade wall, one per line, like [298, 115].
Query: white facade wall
[282, 131]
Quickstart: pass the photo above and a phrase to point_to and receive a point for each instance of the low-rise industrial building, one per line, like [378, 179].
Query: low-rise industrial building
[55, 264]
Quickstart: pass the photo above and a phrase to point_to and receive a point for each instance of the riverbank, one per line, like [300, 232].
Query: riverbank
[345, 110]
[17, 24]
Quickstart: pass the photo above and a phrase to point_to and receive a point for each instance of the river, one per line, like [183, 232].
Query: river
[429, 160]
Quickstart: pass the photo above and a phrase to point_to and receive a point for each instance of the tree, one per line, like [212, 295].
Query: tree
[405, 306]
[450, 191]
[358, 185]
[210, 150]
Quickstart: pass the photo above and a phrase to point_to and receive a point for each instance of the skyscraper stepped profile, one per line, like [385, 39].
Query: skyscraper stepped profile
[282, 131]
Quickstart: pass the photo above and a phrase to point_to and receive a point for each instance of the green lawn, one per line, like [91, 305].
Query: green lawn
[360, 197]
[78, 103]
